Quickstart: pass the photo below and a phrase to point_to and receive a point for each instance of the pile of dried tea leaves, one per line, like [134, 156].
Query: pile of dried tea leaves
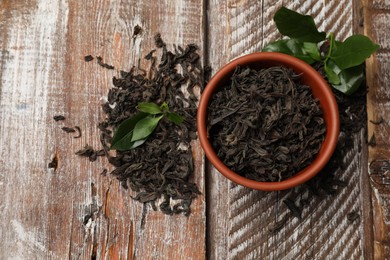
[163, 166]
[266, 125]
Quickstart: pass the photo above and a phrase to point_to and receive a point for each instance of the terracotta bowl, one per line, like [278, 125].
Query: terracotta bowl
[310, 77]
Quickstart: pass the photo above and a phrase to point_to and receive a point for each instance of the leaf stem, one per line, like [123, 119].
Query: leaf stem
[331, 40]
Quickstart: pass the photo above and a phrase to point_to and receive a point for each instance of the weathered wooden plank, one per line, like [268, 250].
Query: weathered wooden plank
[242, 233]
[75, 212]
[376, 25]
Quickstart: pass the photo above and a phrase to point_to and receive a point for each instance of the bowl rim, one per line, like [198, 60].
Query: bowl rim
[327, 147]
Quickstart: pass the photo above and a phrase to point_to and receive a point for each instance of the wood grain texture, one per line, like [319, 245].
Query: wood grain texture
[239, 218]
[75, 212]
[377, 27]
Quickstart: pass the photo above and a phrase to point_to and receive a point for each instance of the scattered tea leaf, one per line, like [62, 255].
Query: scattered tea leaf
[352, 216]
[104, 172]
[79, 132]
[54, 163]
[104, 65]
[372, 141]
[158, 41]
[276, 226]
[88, 58]
[89, 152]
[297, 26]
[377, 122]
[86, 151]
[149, 55]
[101, 152]
[294, 209]
[58, 118]
[137, 30]
[68, 129]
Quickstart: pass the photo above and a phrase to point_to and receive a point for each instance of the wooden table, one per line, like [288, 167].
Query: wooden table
[75, 212]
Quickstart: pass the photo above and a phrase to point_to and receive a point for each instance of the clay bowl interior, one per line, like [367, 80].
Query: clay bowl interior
[309, 77]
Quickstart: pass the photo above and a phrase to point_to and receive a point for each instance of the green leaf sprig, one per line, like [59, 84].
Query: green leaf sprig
[343, 61]
[134, 131]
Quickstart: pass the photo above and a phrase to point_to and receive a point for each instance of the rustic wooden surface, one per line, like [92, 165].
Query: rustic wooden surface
[377, 26]
[239, 218]
[74, 212]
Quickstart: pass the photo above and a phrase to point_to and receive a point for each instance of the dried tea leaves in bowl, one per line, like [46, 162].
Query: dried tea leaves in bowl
[265, 125]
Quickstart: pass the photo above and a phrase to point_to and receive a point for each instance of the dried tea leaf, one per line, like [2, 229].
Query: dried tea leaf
[58, 118]
[294, 209]
[104, 65]
[87, 151]
[79, 132]
[68, 129]
[88, 58]
[352, 216]
[377, 122]
[372, 141]
[137, 30]
[54, 163]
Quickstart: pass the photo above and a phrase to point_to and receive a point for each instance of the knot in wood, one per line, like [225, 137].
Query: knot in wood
[379, 171]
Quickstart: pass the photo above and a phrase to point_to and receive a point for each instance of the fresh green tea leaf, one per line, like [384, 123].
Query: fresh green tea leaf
[312, 49]
[332, 71]
[136, 143]
[350, 79]
[290, 47]
[335, 45]
[175, 118]
[333, 78]
[164, 107]
[126, 143]
[297, 26]
[124, 130]
[353, 51]
[149, 107]
[145, 127]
